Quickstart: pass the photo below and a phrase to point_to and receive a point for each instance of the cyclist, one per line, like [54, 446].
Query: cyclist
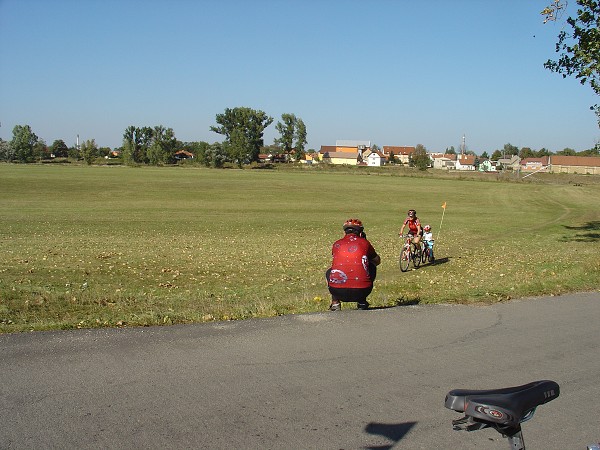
[353, 269]
[428, 238]
[414, 226]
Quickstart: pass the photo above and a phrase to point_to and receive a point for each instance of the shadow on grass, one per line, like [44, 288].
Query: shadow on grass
[393, 431]
[589, 232]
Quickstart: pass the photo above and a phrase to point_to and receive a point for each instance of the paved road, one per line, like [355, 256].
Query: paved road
[349, 380]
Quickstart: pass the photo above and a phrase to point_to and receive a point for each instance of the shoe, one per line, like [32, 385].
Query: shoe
[335, 306]
[362, 305]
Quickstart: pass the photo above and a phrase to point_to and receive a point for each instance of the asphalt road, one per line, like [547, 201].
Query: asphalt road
[353, 379]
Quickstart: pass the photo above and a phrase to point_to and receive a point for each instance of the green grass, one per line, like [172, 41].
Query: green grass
[118, 246]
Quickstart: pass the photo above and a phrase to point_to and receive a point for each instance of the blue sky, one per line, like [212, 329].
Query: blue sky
[394, 72]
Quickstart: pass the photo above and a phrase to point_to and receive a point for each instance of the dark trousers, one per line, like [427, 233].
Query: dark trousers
[352, 294]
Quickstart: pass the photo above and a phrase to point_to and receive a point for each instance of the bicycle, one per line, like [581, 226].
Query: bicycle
[410, 252]
[428, 252]
[502, 409]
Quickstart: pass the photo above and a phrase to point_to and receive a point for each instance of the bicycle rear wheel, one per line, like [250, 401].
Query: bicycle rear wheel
[404, 259]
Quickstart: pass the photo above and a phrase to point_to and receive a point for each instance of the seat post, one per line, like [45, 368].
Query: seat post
[516, 441]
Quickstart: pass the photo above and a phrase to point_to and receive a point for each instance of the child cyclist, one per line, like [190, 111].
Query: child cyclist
[428, 239]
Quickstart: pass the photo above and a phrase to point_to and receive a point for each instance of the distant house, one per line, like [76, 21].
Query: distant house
[487, 166]
[512, 162]
[345, 152]
[534, 164]
[444, 161]
[376, 158]
[575, 164]
[402, 154]
[465, 162]
[340, 158]
[183, 154]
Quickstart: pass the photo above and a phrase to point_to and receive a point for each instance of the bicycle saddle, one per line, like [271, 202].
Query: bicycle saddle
[506, 407]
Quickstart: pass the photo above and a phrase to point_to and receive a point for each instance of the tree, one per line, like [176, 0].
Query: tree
[162, 145]
[23, 143]
[594, 151]
[40, 150]
[215, 155]
[131, 145]
[419, 158]
[485, 155]
[579, 49]
[566, 152]
[392, 158]
[59, 149]
[450, 151]
[526, 152]
[496, 155]
[300, 139]
[543, 152]
[89, 151]
[249, 122]
[287, 131]
[6, 151]
[238, 147]
[510, 150]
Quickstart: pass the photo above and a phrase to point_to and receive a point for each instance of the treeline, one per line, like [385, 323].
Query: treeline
[242, 128]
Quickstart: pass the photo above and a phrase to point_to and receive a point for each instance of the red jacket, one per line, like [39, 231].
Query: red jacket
[350, 266]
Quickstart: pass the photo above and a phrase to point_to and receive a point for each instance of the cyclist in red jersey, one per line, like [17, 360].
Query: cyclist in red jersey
[414, 226]
[354, 267]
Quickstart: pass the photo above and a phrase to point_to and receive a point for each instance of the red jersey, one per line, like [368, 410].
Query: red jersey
[413, 224]
[350, 267]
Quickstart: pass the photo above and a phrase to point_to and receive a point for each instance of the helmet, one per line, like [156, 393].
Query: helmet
[427, 228]
[355, 224]
[412, 213]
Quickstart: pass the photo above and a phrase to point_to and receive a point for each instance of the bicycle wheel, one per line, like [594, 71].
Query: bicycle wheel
[417, 257]
[425, 255]
[404, 259]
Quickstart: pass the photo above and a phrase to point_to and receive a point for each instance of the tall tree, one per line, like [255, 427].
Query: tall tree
[419, 158]
[23, 142]
[161, 149]
[287, 131]
[292, 135]
[300, 139]
[251, 123]
[89, 151]
[59, 149]
[579, 49]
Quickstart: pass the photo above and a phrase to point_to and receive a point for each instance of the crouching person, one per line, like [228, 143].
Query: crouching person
[354, 267]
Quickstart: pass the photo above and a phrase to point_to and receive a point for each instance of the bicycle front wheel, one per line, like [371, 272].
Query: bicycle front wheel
[417, 257]
[404, 259]
[424, 256]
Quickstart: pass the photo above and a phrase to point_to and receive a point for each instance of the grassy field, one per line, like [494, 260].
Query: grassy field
[117, 246]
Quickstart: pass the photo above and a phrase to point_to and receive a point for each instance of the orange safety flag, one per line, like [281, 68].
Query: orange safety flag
[444, 205]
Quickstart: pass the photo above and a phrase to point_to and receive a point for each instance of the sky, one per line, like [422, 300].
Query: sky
[393, 72]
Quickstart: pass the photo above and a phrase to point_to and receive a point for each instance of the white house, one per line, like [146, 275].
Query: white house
[376, 159]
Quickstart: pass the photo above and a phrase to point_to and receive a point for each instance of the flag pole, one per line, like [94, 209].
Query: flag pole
[442, 221]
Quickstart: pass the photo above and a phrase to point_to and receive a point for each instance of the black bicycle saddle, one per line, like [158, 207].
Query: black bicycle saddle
[506, 407]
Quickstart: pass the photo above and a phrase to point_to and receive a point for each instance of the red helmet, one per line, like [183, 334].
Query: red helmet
[353, 223]
[427, 228]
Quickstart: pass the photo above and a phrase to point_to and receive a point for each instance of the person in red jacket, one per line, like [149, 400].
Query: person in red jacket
[353, 269]
[414, 226]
